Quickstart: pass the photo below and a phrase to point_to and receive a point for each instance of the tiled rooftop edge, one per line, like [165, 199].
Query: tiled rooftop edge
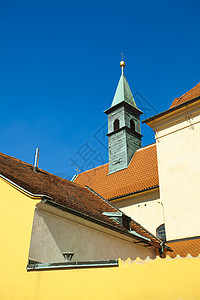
[184, 239]
[138, 260]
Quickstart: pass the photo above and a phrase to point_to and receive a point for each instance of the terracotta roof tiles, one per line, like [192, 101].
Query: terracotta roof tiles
[185, 247]
[141, 174]
[191, 94]
[70, 195]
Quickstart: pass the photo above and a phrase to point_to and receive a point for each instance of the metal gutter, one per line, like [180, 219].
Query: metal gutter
[160, 241]
[139, 235]
[73, 265]
[172, 109]
[24, 191]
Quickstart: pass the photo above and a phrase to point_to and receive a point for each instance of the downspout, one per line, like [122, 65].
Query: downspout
[161, 249]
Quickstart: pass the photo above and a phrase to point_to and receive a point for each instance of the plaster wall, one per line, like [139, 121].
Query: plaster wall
[145, 208]
[54, 234]
[178, 149]
[124, 282]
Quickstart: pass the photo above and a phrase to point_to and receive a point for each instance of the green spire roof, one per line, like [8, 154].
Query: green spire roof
[123, 93]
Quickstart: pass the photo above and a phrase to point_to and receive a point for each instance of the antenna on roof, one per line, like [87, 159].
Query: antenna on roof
[36, 160]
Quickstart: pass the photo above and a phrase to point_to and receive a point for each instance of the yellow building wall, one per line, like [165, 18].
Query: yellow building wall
[153, 279]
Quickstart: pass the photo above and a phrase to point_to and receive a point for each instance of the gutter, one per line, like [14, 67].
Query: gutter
[171, 109]
[73, 265]
[24, 191]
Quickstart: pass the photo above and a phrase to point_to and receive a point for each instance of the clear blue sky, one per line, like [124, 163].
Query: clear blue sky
[59, 63]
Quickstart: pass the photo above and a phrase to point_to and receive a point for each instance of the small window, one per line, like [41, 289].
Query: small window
[116, 124]
[160, 232]
[132, 125]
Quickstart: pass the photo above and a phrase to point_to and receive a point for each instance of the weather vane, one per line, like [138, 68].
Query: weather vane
[122, 54]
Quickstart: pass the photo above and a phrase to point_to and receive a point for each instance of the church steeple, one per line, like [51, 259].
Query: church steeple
[123, 92]
[124, 135]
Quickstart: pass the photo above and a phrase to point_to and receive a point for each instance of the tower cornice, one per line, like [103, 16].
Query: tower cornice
[128, 129]
[124, 104]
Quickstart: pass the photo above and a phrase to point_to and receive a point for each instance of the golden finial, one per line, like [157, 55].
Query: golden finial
[122, 64]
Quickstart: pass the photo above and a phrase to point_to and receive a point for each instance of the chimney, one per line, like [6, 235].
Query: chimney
[36, 160]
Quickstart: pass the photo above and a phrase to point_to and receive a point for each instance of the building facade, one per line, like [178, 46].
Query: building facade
[159, 187]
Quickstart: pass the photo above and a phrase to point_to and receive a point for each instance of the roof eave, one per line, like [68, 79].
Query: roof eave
[24, 191]
[123, 103]
[133, 193]
[170, 110]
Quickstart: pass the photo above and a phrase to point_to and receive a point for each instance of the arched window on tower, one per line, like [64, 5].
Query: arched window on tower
[116, 124]
[132, 125]
[160, 232]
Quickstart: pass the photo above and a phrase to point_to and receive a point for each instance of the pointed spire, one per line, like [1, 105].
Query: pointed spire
[123, 92]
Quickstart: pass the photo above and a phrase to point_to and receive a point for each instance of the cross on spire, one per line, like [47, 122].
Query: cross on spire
[77, 170]
[122, 54]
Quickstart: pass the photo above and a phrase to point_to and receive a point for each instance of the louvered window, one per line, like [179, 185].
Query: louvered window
[160, 232]
[116, 124]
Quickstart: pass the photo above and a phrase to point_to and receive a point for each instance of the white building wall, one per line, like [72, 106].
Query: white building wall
[178, 150]
[145, 208]
[55, 232]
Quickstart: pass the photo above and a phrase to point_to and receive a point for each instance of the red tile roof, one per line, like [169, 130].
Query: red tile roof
[193, 93]
[71, 195]
[185, 247]
[141, 174]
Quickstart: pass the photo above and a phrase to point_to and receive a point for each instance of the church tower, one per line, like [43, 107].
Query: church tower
[124, 134]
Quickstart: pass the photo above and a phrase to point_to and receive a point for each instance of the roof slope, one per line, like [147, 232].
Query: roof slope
[141, 174]
[185, 247]
[62, 191]
[191, 94]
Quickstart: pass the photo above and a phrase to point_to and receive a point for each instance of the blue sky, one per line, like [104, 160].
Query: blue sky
[59, 64]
